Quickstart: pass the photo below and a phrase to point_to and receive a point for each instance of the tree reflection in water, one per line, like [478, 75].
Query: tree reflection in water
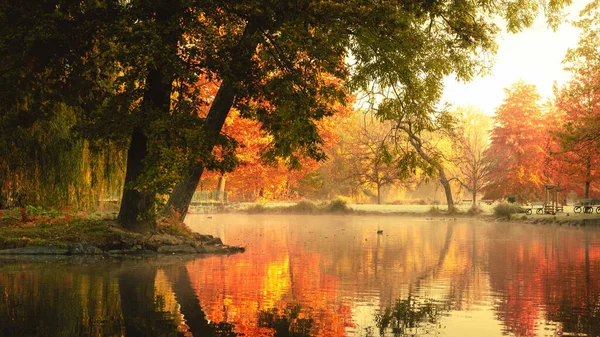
[404, 318]
[145, 312]
[407, 315]
[286, 324]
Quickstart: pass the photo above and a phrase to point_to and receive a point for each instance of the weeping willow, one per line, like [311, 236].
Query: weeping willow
[46, 164]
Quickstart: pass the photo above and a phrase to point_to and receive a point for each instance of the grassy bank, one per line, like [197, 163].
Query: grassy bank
[81, 233]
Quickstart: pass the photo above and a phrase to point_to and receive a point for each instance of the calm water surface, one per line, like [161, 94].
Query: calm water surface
[323, 276]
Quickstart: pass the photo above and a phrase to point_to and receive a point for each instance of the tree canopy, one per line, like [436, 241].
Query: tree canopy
[128, 72]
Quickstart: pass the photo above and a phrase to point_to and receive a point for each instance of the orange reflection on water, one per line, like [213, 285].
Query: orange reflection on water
[484, 279]
[280, 276]
[541, 273]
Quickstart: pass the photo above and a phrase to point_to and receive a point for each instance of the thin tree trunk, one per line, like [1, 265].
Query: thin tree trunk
[474, 201]
[447, 188]
[587, 189]
[182, 194]
[417, 145]
[378, 194]
[588, 174]
[221, 189]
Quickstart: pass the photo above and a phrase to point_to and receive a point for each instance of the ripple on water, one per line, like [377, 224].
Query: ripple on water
[335, 274]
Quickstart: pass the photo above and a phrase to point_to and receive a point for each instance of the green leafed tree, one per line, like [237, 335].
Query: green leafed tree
[403, 65]
[128, 70]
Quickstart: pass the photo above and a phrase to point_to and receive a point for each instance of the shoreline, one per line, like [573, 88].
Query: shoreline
[104, 237]
[86, 236]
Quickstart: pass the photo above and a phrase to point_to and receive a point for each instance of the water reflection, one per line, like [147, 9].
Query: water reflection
[134, 299]
[324, 276]
[144, 310]
[406, 316]
[288, 323]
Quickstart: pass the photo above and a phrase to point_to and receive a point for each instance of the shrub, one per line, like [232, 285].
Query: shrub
[256, 209]
[304, 206]
[474, 211]
[505, 210]
[338, 206]
[171, 225]
[434, 210]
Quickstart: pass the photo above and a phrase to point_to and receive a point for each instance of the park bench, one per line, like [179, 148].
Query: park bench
[538, 206]
[587, 206]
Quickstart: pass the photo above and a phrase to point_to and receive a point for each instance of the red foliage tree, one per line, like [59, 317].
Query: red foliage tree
[579, 101]
[519, 139]
[256, 176]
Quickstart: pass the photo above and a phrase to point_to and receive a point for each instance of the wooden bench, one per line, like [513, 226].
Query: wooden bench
[538, 206]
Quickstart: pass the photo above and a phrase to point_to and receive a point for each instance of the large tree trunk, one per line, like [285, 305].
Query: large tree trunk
[137, 205]
[182, 194]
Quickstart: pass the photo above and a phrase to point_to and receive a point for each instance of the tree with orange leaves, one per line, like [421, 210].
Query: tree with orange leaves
[517, 152]
[257, 175]
[579, 101]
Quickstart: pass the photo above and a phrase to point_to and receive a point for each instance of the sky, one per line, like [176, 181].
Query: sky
[535, 56]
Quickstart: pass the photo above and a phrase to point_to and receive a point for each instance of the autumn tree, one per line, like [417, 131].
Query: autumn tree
[255, 176]
[257, 173]
[334, 176]
[470, 140]
[367, 153]
[517, 149]
[579, 101]
[411, 53]
[372, 154]
[127, 70]
[285, 90]
[440, 39]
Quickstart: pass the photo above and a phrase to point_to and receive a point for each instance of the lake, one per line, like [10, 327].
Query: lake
[322, 276]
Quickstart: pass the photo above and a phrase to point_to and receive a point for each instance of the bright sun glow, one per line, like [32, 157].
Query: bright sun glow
[534, 55]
